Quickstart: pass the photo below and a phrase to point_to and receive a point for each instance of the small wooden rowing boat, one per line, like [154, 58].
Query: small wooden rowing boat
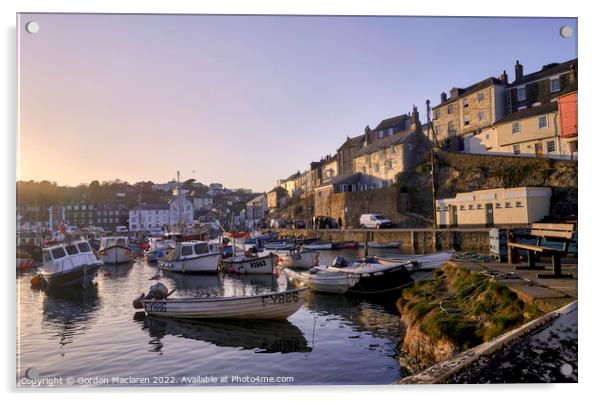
[392, 244]
[321, 280]
[423, 262]
[318, 245]
[299, 259]
[274, 305]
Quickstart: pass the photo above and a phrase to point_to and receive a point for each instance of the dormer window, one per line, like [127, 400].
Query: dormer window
[554, 84]
[521, 93]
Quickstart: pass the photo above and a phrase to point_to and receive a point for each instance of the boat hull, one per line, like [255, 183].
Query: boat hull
[279, 305]
[328, 283]
[299, 260]
[78, 276]
[115, 255]
[206, 264]
[259, 265]
[382, 282]
[423, 262]
[318, 246]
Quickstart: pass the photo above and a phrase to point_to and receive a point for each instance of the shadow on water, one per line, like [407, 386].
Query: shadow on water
[120, 270]
[278, 336]
[70, 310]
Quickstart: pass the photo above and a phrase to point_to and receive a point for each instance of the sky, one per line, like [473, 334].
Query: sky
[241, 100]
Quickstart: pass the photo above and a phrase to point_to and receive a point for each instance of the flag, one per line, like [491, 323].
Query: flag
[62, 228]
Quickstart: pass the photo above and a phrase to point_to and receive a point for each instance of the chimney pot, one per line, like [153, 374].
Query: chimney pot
[443, 97]
[518, 71]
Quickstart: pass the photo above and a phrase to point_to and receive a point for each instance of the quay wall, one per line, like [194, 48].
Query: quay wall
[419, 240]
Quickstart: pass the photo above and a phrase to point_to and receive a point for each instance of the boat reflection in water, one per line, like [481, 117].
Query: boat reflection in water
[268, 336]
[189, 285]
[116, 270]
[70, 311]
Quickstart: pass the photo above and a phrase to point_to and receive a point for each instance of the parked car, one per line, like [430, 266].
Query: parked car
[374, 220]
[299, 224]
[323, 222]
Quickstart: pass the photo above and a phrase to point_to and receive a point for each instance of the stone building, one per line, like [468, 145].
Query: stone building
[330, 168]
[494, 207]
[290, 184]
[539, 87]
[277, 198]
[468, 111]
[567, 113]
[346, 152]
[382, 158]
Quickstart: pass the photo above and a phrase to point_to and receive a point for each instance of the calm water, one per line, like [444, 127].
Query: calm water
[95, 335]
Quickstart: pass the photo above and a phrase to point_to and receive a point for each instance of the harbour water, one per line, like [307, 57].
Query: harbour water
[95, 337]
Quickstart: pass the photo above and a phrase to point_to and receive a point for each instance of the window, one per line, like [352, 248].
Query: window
[519, 204]
[465, 102]
[121, 242]
[481, 115]
[470, 207]
[516, 149]
[376, 168]
[71, 249]
[47, 256]
[521, 93]
[554, 85]
[462, 207]
[551, 146]
[381, 134]
[450, 108]
[498, 205]
[201, 248]
[390, 131]
[515, 127]
[450, 128]
[508, 204]
[543, 122]
[388, 165]
[58, 253]
[83, 247]
[466, 119]
[480, 96]
[186, 250]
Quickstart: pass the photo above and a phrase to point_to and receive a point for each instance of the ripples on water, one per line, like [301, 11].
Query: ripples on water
[96, 332]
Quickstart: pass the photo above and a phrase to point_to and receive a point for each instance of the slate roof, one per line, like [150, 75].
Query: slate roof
[342, 178]
[392, 122]
[351, 142]
[385, 142]
[530, 112]
[471, 89]
[546, 70]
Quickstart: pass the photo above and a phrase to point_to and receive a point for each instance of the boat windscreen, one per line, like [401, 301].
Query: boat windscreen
[71, 250]
[121, 242]
[200, 249]
[83, 247]
[47, 256]
[58, 253]
[186, 251]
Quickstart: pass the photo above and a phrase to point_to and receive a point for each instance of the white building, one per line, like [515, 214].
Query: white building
[181, 212]
[152, 217]
[167, 187]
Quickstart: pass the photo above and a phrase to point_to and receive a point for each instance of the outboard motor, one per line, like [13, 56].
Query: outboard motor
[339, 261]
[158, 291]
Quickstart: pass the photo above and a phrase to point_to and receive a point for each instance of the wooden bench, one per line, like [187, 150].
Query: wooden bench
[549, 231]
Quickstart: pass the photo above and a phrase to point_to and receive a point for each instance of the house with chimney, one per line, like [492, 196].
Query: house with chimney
[567, 114]
[385, 155]
[463, 120]
[539, 87]
[346, 152]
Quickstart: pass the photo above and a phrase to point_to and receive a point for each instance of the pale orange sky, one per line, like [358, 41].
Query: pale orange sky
[240, 100]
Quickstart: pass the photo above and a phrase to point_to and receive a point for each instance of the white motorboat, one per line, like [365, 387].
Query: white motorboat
[321, 280]
[69, 264]
[274, 305]
[423, 262]
[192, 257]
[115, 250]
[158, 248]
[392, 244]
[299, 259]
[318, 245]
[243, 261]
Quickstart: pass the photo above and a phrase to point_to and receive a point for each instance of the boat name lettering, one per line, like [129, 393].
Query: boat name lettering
[258, 263]
[156, 307]
[280, 298]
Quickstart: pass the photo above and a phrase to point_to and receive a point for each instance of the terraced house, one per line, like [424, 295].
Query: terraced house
[470, 112]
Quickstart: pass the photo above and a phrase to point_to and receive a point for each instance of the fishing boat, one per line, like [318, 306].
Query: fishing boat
[322, 280]
[318, 245]
[415, 263]
[158, 248]
[280, 245]
[192, 257]
[392, 244]
[305, 259]
[273, 305]
[115, 250]
[68, 264]
[245, 262]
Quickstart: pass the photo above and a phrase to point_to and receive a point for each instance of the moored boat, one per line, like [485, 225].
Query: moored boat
[115, 250]
[158, 248]
[376, 277]
[346, 245]
[24, 260]
[422, 262]
[245, 262]
[321, 280]
[273, 305]
[318, 245]
[279, 245]
[68, 264]
[299, 259]
[192, 257]
[391, 244]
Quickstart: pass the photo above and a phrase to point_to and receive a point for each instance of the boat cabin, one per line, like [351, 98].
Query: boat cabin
[67, 256]
[109, 242]
[191, 250]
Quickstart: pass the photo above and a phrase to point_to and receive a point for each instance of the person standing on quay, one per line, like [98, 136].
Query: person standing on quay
[340, 222]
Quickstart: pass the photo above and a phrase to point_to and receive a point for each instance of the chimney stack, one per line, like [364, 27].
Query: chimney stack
[367, 135]
[572, 74]
[415, 120]
[518, 71]
[504, 78]
[443, 97]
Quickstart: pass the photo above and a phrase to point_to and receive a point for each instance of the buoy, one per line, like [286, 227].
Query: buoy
[36, 281]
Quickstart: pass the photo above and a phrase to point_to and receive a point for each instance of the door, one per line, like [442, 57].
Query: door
[489, 214]
[538, 149]
[454, 215]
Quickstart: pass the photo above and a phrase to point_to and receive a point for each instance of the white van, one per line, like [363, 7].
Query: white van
[374, 220]
[121, 229]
